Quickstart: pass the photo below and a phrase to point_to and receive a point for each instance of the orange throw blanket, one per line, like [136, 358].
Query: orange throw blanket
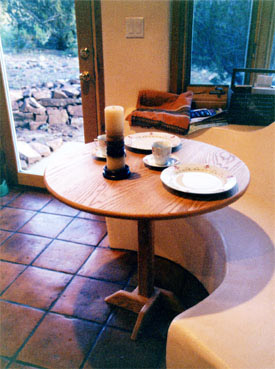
[162, 110]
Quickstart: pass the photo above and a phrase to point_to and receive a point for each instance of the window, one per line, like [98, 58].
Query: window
[219, 40]
[211, 37]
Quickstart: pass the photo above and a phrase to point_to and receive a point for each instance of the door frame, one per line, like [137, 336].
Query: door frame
[89, 34]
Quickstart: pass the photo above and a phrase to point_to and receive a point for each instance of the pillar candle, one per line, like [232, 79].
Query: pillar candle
[114, 120]
[115, 163]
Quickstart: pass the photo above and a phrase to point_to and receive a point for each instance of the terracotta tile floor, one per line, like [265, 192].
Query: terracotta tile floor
[56, 268]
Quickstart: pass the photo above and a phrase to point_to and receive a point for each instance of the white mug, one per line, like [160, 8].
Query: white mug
[161, 152]
[101, 144]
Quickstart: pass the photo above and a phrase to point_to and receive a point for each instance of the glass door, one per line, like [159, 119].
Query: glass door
[52, 79]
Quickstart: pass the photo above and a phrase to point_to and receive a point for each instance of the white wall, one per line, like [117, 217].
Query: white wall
[134, 64]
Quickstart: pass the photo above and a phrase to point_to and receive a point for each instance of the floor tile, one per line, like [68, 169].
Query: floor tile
[111, 265]
[3, 363]
[64, 341]
[84, 231]
[11, 219]
[32, 200]
[17, 322]
[22, 248]
[105, 242]
[63, 256]
[16, 365]
[37, 287]
[85, 215]
[57, 207]
[84, 298]
[171, 276]
[122, 318]
[48, 225]
[4, 200]
[8, 273]
[124, 353]
[60, 343]
[4, 235]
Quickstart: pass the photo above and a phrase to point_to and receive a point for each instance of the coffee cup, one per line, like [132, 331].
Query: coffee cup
[101, 144]
[161, 151]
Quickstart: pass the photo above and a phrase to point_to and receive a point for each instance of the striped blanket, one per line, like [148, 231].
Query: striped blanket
[162, 110]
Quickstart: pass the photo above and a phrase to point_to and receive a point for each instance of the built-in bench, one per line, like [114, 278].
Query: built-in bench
[231, 251]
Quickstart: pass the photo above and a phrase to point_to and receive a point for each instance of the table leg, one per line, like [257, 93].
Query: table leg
[143, 298]
[146, 258]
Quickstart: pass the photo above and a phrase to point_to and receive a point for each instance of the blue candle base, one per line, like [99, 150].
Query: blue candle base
[118, 174]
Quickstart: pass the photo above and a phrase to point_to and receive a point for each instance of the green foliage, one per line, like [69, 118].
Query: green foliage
[220, 35]
[30, 24]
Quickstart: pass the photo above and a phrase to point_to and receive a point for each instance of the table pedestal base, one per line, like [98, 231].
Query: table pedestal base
[141, 305]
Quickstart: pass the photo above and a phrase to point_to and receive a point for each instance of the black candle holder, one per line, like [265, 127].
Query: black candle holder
[117, 174]
[115, 149]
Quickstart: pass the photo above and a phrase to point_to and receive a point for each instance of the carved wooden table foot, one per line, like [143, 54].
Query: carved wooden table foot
[142, 305]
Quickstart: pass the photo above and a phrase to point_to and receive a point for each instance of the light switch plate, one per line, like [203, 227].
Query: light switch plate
[134, 27]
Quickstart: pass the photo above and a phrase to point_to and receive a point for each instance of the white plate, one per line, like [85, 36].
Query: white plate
[98, 154]
[150, 161]
[198, 179]
[144, 140]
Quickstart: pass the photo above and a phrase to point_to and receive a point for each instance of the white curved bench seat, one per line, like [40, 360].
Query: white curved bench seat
[234, 326]
[231, 251]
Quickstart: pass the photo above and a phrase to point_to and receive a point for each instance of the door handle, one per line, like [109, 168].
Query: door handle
[85, 53]
[85, 76]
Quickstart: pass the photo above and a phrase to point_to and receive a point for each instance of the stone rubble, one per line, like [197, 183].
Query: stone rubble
[29, 155]
[43, 150]
[45, 116]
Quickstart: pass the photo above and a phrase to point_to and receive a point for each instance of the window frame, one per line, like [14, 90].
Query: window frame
[261, 35]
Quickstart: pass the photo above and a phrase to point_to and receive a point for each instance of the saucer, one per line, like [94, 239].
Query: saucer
[142, 142]
[150, 162]
[98, 154]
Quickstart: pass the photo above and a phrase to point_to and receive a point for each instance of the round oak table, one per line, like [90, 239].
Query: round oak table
[77, 180]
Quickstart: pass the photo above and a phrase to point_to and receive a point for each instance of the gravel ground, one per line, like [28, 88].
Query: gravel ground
[34, 69]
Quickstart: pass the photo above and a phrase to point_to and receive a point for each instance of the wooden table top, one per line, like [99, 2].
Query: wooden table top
[78, 182]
